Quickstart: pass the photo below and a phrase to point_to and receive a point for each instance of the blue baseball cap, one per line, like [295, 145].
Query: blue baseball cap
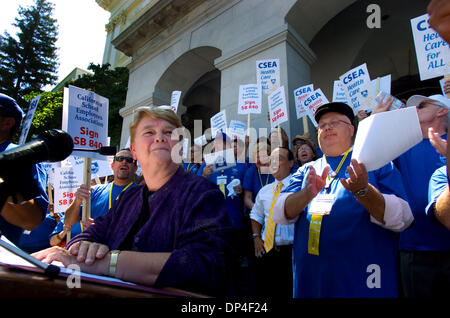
[10, 108]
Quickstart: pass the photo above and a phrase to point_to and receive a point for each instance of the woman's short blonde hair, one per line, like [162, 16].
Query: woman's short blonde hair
[155, 112]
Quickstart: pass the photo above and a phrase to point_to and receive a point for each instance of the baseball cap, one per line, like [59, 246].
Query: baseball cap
[417, 99]
[335, 107]
[11, 109]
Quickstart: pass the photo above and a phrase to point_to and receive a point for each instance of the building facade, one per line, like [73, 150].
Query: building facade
[207, 48]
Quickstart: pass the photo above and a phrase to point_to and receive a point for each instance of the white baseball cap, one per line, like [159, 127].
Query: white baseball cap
[415, 100]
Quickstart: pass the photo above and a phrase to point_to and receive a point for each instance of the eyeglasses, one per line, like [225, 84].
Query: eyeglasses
[304, 147]
[332, 124]
[122, 158]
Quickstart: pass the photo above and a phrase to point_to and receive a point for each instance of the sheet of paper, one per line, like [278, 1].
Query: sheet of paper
[385, 136]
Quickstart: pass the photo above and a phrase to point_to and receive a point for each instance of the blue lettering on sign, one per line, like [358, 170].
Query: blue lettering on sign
[302, 91]
[420, 25]
[353, 76]
[267, 64]
[311, 98]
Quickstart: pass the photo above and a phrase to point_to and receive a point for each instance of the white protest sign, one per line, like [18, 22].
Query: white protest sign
[354, 82]
[313, 101]
[370, 145]
[85, 118]
[432, 51]
[277, 107]
[299, 96]
[99, 168]
[28, 119]
[175, 100]
[339, 94]
[268, 75]
[380, 84]
[237, 129]
[201, 140]
[221, 160]
[66, 183]
[218, 123]
[249, 99]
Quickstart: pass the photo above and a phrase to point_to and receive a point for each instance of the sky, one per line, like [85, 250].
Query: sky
[82, 34]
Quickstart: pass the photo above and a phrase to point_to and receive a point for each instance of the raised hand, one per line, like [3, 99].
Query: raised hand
[358, 177]
[314, 182]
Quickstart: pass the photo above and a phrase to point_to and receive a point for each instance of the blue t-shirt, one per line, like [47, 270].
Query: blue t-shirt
[416, 167]
[235, 204]
[99, 204]
[438, 182]
[350, 245]
[38, 239]
[254, 180]
[39, 174]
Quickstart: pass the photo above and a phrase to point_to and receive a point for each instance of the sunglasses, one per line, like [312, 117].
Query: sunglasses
[122, 158]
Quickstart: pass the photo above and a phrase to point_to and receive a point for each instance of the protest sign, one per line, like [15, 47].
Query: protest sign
[371, 148]
[85, 119]
[339, 94]
[66, 182]
[175, 100]
[354, 82]
[237, 129]
[249, 99]
[277, 107]
[374, 87]
[313, 101]
[432, 51]
[28, 119]
[221, 160]
[218, 123]
[299, 96]
[268, 75]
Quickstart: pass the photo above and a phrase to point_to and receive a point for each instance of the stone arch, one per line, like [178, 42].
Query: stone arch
[194, 74]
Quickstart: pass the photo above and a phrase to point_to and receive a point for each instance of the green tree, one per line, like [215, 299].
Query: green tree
[112, 84]
[28, 62]
[48, 113]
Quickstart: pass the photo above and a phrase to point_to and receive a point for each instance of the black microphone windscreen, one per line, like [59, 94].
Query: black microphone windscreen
[59, 144]
[107, 150]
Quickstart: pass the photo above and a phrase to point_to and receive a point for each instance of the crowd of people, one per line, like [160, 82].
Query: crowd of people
[282, 218]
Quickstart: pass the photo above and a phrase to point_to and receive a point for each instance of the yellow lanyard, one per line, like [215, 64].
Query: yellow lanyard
[260, 179]
[110, 193]
[328, 182]
[316, 219]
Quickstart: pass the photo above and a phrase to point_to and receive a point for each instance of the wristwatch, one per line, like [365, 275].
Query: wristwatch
[256, 235]
[362, 192]
[114, 256]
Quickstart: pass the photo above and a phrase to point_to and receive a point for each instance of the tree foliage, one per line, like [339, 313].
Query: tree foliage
[48, 113]
[28, 61]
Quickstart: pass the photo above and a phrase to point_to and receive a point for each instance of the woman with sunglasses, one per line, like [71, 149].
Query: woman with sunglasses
[102, 196]
[174, 231]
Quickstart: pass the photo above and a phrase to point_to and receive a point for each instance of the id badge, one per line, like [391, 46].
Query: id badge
[322, 204]
[221, 181]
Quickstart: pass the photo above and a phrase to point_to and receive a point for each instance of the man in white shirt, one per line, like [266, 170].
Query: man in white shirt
[273, 243]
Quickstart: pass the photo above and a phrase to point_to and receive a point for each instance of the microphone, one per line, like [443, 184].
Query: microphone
[52, 145]
[105, 150]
